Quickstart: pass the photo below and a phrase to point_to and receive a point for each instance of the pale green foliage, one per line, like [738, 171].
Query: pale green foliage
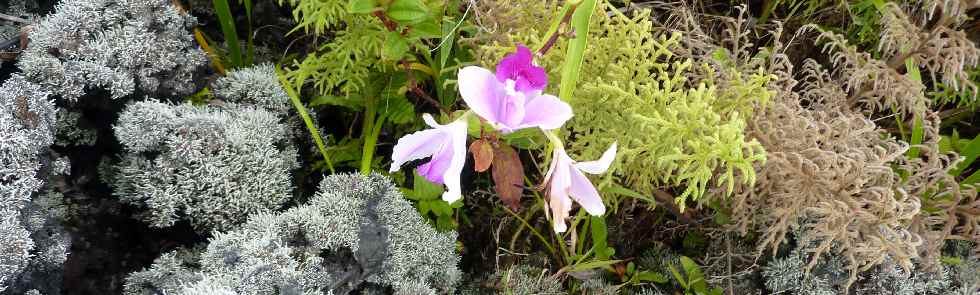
[357, 229]
[349, 57]
[672, 130]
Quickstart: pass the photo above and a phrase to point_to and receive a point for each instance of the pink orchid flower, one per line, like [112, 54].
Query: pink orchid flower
[511, 98]
[446, 144]
[565, 179]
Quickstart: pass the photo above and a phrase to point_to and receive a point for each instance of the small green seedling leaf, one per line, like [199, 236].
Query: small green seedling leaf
[650, 276]
[425, 190]
[395, 46]
[593, 265]
[362, 6]
[408, 11]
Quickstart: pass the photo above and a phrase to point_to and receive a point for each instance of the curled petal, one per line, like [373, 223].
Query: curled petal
[547, 112]
[481, 91]
[585, 194]
[451, 177]
[415, 146]
[558, 196]
[601, 165]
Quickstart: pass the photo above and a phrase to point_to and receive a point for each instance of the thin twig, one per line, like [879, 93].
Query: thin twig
[12, 18]
[554, 37]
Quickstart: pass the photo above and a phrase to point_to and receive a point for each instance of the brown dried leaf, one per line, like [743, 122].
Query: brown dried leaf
[482, 152]
[508, 176]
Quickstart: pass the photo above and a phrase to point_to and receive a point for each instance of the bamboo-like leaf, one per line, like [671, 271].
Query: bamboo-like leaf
[593, 265]
[576, 48]
[599, 236]
[294, 98]
[227, 22]
[969, 153]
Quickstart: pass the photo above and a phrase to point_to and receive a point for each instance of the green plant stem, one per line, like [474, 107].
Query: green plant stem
[249, 44]
[369, 134]
[294, 98]
[537, 234]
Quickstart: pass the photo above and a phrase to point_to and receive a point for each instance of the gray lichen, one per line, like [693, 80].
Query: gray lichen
[117, 45]
[33, 245]
[256, 85]
[71, 133]
[355, 230]
[214, 166]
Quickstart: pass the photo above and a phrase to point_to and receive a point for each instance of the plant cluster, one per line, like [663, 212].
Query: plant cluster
[356, 230]
[476, 147]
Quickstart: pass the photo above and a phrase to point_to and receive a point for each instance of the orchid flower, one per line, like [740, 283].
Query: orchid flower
[565, 179]
[446, 144]
[512, 98]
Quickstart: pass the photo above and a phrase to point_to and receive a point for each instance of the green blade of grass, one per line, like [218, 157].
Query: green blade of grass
[969, 153]
[227, 21]
[305, 115]
[249, 44]
[576, 48]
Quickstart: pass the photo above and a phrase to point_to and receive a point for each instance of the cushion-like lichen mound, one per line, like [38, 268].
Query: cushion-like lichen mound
[256, 85]
[211, 165]
[117, 45]
[32, 244]
[355, 230]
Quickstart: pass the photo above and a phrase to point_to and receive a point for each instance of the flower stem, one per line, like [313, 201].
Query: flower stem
[554, 31]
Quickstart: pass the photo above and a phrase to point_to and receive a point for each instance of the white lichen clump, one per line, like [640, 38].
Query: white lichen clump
[213, 166]
[31, 240]
[355, 230]
[118, 45]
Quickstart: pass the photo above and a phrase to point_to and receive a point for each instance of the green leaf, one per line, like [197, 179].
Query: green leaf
[694, 276]
[352, 103]
[424, 207]
[527, 138]
[362, 6]
[599, 236]
[398, 109]
[677, 276]
[969, 153]
[425, 190]
[428, 28]
[650, 276]
[408, 11]
[294, 98]
[918, 131]
[395, 46]
[446, 45]
[972, 179]
[249, 43]
[593, 265]
[441, 208]
[576, 48]
[227, 22]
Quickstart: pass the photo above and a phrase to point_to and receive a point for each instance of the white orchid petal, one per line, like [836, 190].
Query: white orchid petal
[481, 91]
[545, 111]
[585, 194]
[457, 133]
[601, 165]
